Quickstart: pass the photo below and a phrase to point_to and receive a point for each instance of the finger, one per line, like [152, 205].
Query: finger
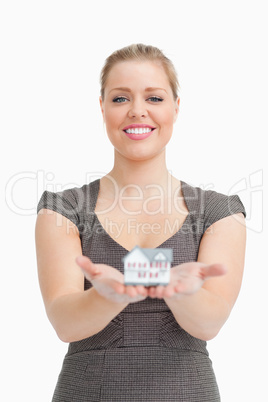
[152, 292]
[120, 288]
[87, 266]
[159, 290]
[180, 287]
[131, 291]
[141, 290]
[169, 291]
[212, 270]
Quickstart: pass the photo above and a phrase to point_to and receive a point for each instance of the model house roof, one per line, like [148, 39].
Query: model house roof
[153, 254]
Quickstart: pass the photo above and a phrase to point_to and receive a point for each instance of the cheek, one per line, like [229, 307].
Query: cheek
[166, 119]
[112, 118]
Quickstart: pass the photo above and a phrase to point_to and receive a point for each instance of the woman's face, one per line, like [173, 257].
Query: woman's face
[139, 109]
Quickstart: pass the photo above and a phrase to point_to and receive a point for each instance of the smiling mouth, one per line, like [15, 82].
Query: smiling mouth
[143, 130]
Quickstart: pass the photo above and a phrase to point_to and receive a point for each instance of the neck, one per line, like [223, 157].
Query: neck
[147, 174]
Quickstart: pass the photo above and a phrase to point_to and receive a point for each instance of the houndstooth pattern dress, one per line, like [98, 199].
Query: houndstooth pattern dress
[142, 354]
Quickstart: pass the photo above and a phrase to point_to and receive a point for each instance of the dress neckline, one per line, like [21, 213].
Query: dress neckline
[184, 188]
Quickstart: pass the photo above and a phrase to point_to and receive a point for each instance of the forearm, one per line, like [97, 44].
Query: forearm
[202, 314]
[79, 315]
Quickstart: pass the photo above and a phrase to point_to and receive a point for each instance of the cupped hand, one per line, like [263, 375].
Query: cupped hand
[187, 279]
[109, 282]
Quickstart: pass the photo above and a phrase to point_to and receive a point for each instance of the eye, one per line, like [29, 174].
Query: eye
[155, 99]
[119, 99]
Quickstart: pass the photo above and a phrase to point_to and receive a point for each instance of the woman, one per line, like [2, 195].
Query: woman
[132, 343]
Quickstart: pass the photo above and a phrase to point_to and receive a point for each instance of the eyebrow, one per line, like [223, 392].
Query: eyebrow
[149, 89]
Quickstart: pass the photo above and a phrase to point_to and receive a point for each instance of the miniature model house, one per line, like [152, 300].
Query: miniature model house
[147, 266]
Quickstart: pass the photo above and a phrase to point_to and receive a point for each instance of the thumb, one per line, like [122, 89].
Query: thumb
[213, 270]
[88, 267]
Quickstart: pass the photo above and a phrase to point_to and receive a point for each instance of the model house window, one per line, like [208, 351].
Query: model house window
[141, 274]
[153, 275]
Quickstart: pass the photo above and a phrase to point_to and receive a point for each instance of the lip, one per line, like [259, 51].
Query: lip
[138, 137]
[138, 126]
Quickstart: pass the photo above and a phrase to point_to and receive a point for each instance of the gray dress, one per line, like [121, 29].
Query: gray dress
[142, 354]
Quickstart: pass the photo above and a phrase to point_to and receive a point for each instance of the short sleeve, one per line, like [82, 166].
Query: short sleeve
[65, 203]
[220, 206]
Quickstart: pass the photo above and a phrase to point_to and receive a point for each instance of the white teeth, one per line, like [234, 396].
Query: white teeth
[138, 130]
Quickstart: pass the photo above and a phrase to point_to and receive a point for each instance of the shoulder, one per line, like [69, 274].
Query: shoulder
[219, 206]
[211, 205]
[71, 203]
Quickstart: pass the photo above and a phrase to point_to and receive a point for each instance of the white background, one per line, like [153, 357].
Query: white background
[52, 137]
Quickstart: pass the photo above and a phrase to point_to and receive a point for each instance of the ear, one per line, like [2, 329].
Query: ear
[177, 107]
[101, 106]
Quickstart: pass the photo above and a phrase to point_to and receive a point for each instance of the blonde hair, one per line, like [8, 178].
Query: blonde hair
[140, 52]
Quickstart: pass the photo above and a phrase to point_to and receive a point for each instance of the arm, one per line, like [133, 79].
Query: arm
[202, 313]
[74, 313]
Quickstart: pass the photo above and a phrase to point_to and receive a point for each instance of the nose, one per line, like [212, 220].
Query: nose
[137, 109]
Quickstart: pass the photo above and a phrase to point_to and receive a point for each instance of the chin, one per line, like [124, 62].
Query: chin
[142, 154]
